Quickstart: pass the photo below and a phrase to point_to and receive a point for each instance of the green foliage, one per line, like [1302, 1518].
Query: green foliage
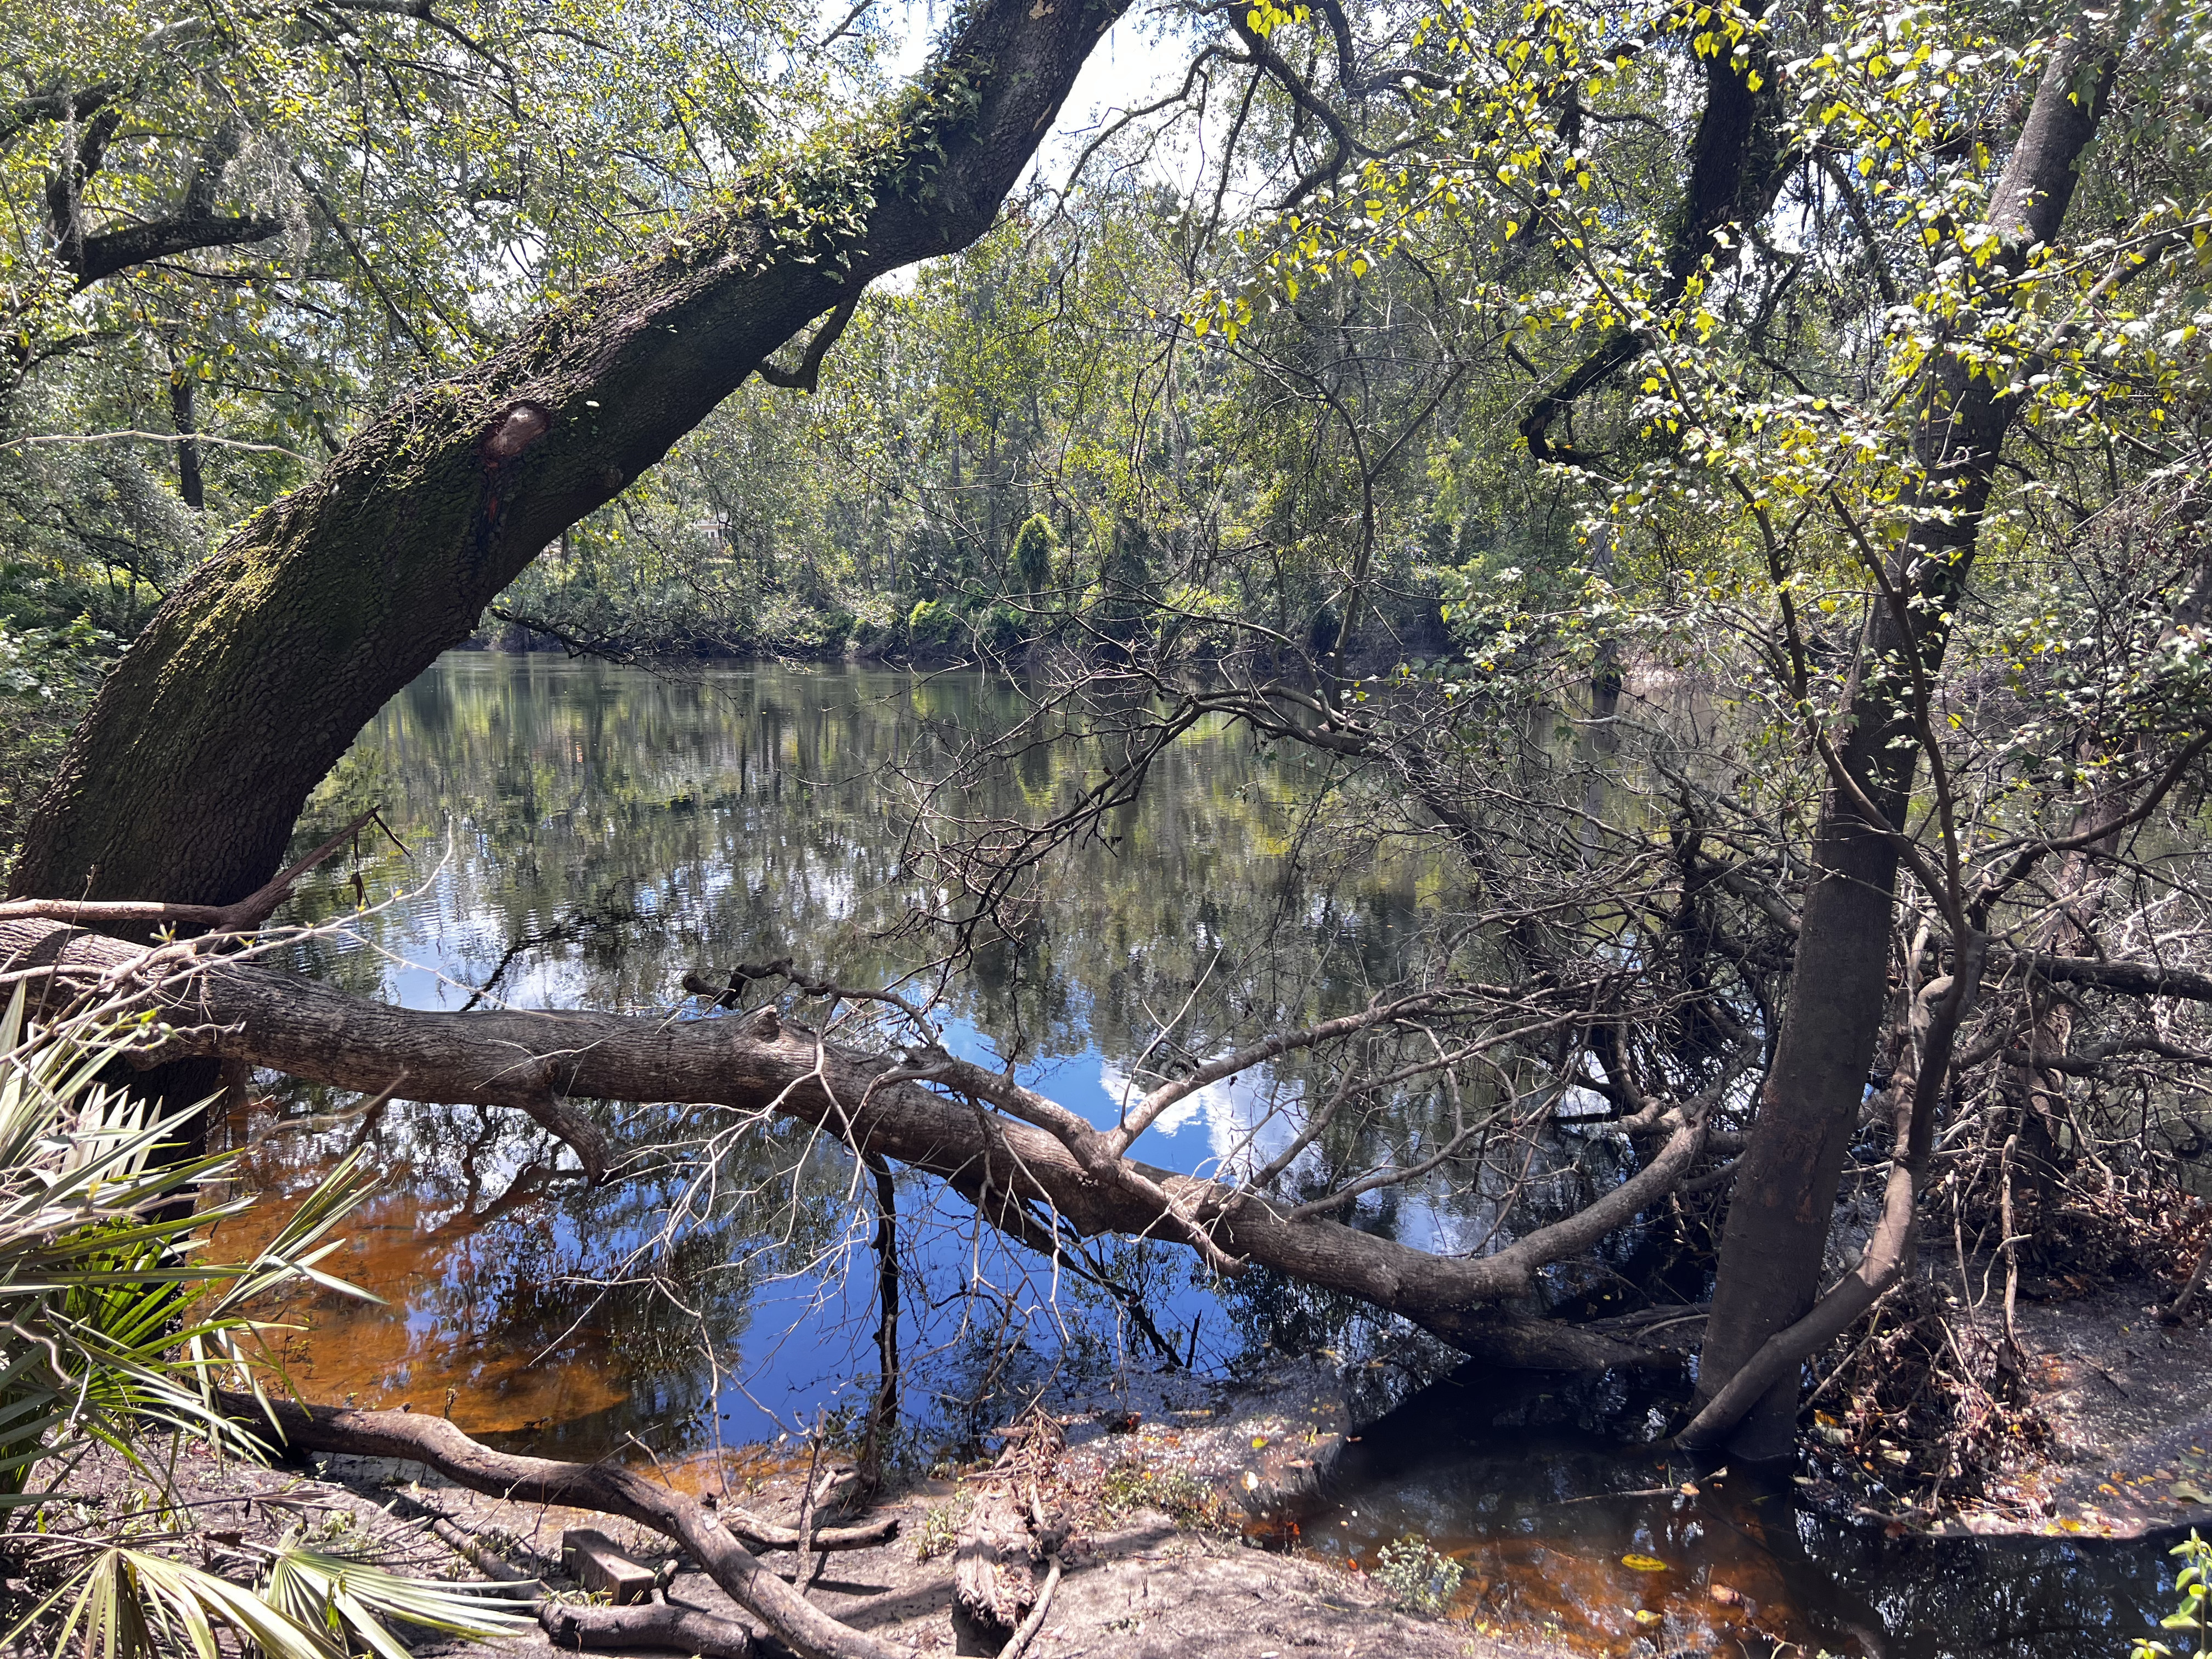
[1175, 1491]
[2194, 1615]
[47, 678]
[1416, 1575]
[935, 625]
[252, 227]
[939, 1532]
[128, 1603]
[115, 1334]
[115, 1331]
[1034, 544]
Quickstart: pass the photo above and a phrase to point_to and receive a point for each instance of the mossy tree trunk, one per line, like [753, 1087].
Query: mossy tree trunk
[184, 779]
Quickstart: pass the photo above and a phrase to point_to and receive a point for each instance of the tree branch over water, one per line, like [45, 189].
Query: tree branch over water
[1030, 1155]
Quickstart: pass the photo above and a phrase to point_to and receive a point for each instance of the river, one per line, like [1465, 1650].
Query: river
[578, 834]
[583, 836]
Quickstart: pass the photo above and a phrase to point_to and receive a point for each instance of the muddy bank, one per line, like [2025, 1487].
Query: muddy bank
[2128, 1400]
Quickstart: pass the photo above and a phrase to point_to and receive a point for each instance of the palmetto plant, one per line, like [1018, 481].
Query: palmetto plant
[114, 1330]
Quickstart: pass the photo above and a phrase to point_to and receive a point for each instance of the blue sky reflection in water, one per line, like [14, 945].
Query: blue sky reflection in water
[588, 834]
[602, 831]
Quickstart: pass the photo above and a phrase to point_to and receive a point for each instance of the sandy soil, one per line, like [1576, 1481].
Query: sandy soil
[1140, 1582]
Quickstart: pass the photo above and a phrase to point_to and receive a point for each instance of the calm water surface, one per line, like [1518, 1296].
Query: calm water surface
[582, 836]
[1569, 1528]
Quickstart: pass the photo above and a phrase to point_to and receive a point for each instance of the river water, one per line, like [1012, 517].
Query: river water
[579, 835]
[583, 836]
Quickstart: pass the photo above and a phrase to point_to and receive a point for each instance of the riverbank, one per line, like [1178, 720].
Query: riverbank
[1156, 1565]
[2124, 1396]
[1268, 1519]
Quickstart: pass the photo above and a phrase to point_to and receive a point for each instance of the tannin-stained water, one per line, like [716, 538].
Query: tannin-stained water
[582, 836]
[585, 836]
[1570, 1526]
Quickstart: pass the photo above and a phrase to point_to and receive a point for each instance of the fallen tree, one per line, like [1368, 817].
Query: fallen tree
[1034, 1169]
[262, 669]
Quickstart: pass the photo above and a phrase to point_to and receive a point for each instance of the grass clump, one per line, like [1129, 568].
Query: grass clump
[941, 1527]
[1176, 1493]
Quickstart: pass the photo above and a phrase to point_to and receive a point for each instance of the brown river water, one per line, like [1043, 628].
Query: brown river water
[582, 836]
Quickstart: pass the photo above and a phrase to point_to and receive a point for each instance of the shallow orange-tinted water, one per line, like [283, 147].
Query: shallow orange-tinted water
[1703, 1579]
[444, 1334]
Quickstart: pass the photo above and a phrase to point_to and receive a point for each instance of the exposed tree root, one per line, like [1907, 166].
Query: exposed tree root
[1035, 1622]
[437, 1445]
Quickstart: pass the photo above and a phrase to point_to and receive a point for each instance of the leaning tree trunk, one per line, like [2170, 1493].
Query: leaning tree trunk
[1785, 1188]
[186, 779]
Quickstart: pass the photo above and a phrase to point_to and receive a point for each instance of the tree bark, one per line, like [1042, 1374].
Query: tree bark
[191, 483]
[1022, 1178]
[1737, 165]
[662, 1625]
[1784, 1199]
[189, 772]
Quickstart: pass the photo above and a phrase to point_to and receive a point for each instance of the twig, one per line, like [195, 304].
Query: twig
[242, 916]
[1035, 1622]
[129, 433]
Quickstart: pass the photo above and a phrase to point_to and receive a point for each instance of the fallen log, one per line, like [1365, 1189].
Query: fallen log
[1027, 1179]
[764, 1536]
[664, 1625]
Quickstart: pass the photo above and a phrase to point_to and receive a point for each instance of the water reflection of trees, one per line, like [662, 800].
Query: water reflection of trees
[589, 834]
[737, 815]
[573, 1316]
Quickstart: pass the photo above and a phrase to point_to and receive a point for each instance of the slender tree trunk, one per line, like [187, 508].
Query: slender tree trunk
[185, 778]
[191, 485]
[883, 1411]
[1785, 1189]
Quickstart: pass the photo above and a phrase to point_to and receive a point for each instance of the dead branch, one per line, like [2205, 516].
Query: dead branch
[434, 1442]
[241, 917]
[663, 1626]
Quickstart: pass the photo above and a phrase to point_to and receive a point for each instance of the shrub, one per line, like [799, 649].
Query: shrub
[116, 1334]
[1417, 1576]
[1033, 549]
[2193, 1615]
